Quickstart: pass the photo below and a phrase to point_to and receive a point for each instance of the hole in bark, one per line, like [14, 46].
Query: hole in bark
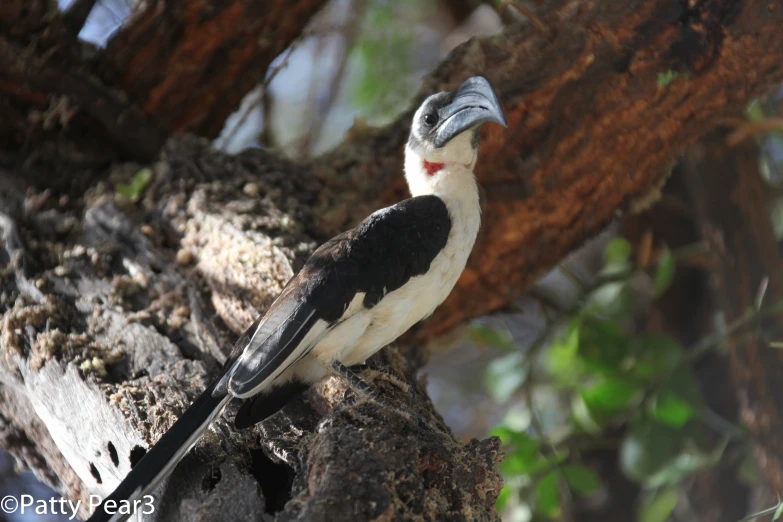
[95, 474]
[136, 455]
[113, 454]
[276, 480]
[211, 480]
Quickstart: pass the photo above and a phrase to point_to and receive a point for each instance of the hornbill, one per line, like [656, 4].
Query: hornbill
[357, 293]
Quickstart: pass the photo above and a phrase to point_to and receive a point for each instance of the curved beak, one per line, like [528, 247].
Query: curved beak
[474, 103]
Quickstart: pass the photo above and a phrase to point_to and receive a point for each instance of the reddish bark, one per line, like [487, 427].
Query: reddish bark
[591, 132]
[188, 64]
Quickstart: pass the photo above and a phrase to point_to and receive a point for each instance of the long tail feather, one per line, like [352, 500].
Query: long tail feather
[164, 455]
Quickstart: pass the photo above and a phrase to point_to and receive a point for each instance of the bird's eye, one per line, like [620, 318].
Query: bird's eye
[430, 120]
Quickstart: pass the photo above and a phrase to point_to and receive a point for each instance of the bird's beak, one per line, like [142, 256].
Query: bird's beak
[474, 103]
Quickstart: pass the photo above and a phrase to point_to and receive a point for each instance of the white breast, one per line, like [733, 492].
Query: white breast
[368, 331]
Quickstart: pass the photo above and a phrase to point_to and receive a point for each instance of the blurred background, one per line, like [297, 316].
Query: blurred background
[601, 382]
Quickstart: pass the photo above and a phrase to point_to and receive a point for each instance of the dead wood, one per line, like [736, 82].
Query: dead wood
[119, 336]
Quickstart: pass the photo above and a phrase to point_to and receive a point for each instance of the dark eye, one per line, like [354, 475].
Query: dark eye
[430, 120]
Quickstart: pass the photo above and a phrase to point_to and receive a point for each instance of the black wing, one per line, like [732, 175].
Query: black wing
[377, 257]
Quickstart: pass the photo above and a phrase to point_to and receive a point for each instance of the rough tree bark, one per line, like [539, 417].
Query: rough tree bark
[174, 67]
[591, 129]
[220, 51]
[106, 339]
[107, 310]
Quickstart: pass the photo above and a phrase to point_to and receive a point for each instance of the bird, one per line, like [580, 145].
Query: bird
[357, 293]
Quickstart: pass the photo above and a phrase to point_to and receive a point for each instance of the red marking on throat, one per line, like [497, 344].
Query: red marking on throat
[432, 168]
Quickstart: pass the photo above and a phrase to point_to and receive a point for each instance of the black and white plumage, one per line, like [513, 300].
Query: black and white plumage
[358, 292]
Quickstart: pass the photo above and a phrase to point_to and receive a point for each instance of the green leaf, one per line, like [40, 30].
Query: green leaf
[582, 479]
[504, 375]
[617, 251]
[550, 462]
[603, 345]
[656, 356]
[486, 336]
[503, 498]
[135, 189]
[658, 507]
[505, 434]
[665, 78]
[517, 464]
[611, 396]
[562, 360]
[754, 112]
[778, 511]
[648, 448]
[583, 417]
[664, 275]
[548, 495]
[613, 301]
[689, 461]
[671, 410]
[383, 57]
[608, 398]
[683, 384]
[521, 451]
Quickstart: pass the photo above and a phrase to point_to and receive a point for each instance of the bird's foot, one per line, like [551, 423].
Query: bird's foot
[356, 383]
[359, 385]
[391, 375]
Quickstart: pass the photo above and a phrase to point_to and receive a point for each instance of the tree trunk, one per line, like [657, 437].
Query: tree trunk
[731, 201]
[107, 337]
[686, 313]
[599, 108]
[107, 332]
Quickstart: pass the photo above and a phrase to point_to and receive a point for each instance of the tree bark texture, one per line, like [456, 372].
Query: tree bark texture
[107, 335]
[174, 67]
[108, 309]
[592, 129]
[187, 65]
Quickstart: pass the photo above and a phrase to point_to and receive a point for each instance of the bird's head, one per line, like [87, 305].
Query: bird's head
[443, 143]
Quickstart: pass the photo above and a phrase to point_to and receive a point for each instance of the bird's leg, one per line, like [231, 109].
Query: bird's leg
[391, 374]
[355, 381]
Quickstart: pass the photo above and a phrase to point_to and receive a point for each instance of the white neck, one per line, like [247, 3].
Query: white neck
[454, 183]
[454, 180]
[449, 180]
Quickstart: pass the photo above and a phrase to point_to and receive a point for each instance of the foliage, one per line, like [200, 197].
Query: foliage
[665, 78]
[605, 378]
[776, 511]
[385, 55]
[755, 112]
[135, 188]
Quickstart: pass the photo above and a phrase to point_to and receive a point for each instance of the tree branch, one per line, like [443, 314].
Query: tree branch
[188, 64]
[591, 132]
[147, 87]
[111, 356]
